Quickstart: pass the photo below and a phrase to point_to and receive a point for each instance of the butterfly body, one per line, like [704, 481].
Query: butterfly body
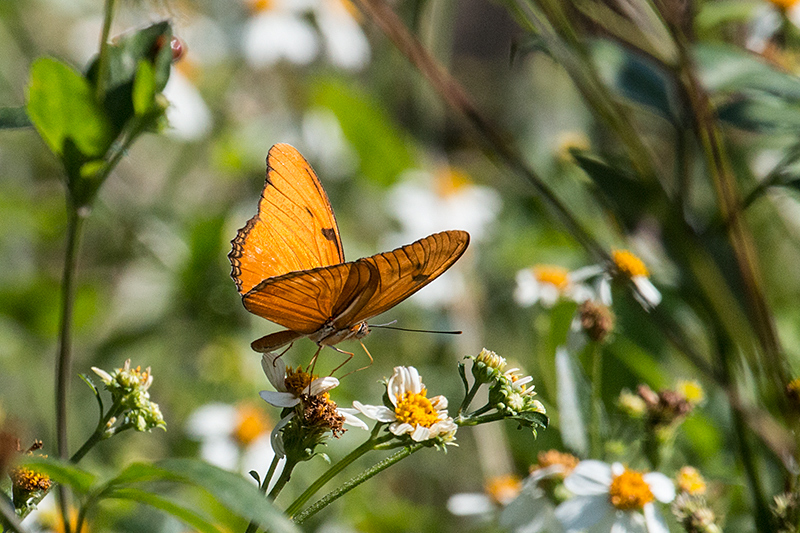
[288, 263]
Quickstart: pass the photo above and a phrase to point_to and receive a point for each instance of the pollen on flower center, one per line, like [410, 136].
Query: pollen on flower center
[629, 491]
[629, 265]
[416, 409]
[554, 275]
[297, 381]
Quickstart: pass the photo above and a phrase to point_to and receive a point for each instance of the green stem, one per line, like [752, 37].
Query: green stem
[473, 420]
[252, 527]
[356, 481]
[595, 451]
[469, 397]
[76, 218]
[102, 64]
[99, 433]
[367, 446]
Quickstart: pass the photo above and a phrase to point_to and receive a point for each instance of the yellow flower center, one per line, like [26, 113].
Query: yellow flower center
[554, 457]
[416, 409]
[554, 275]
[628, 264]
[629, 491]
[450, 181]
[691, 390]
[503, 489]
[251, 424]
[258, 6]
[29, 480]
[297, 381]
[689, 480]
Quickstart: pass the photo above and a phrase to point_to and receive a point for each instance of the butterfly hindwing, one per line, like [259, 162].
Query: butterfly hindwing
[305, 301]
[295, 228]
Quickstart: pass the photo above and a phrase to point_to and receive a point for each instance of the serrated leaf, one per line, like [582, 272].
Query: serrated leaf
[168, 506]
[532, 419]
[63, 472]
[14, 117]
[62, 107]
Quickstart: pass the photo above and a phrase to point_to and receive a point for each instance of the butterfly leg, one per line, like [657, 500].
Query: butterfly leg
[371, 360]
[313, 363]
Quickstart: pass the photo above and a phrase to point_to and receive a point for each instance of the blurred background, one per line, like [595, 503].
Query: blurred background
[153, 281]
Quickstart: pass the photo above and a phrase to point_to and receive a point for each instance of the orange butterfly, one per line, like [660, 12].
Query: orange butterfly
[288, 263]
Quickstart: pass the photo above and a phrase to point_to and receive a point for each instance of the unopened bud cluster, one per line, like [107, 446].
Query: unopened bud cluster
[129, 390]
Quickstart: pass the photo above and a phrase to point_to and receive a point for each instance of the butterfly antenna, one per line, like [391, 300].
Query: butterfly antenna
[387, 326]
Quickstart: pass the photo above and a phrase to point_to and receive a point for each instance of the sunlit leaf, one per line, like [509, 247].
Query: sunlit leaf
[63, 108]
[725, 68]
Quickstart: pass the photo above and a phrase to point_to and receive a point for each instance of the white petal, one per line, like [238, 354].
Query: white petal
[439, 402]
[582, 274]
[420, 433]
[351, 419]
[211, 420]
[347, 46]
[401, 428]
[105, 376]
[589, 478]
[661, 486]
[322, 385]
[583, 512]
[469, 504]
[628, 522]
[188, 114]
[279, 399]
[653, 520]
[376, 412]
[275, 370]
[647, 291]
[220, 452]
[527, 291]
[604, 291]
[272, 36]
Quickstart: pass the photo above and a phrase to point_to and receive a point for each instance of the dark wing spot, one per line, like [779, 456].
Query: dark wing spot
[310, 213]
[329, 234]
[419, 278]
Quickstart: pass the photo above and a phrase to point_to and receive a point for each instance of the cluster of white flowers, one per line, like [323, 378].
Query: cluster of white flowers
[129, 389]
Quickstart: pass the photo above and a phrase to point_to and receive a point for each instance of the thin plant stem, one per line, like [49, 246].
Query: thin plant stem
[367, 446]
[99, 433]
[102, 65]
[76, 217]
[356, 481]
[469, 397]
[252, 527]
[596, 412]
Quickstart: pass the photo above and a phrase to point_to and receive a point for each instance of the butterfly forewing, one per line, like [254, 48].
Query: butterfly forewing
[294, 229]
[402, 272]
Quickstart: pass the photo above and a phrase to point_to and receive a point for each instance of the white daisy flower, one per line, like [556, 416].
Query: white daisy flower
[290, 388]
[413, 413]
[546, 284]
[610, 498]
[281, 30]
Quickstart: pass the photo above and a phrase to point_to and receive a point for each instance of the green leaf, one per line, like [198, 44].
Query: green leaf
[144, 89]
[14, 117]
[62, 107]
[532, 419]
[380, 144]
[150, 45]
[182, 513]
[233, 491]
[722, 13]
[762, 113]
[62, 472]
[726, 68]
